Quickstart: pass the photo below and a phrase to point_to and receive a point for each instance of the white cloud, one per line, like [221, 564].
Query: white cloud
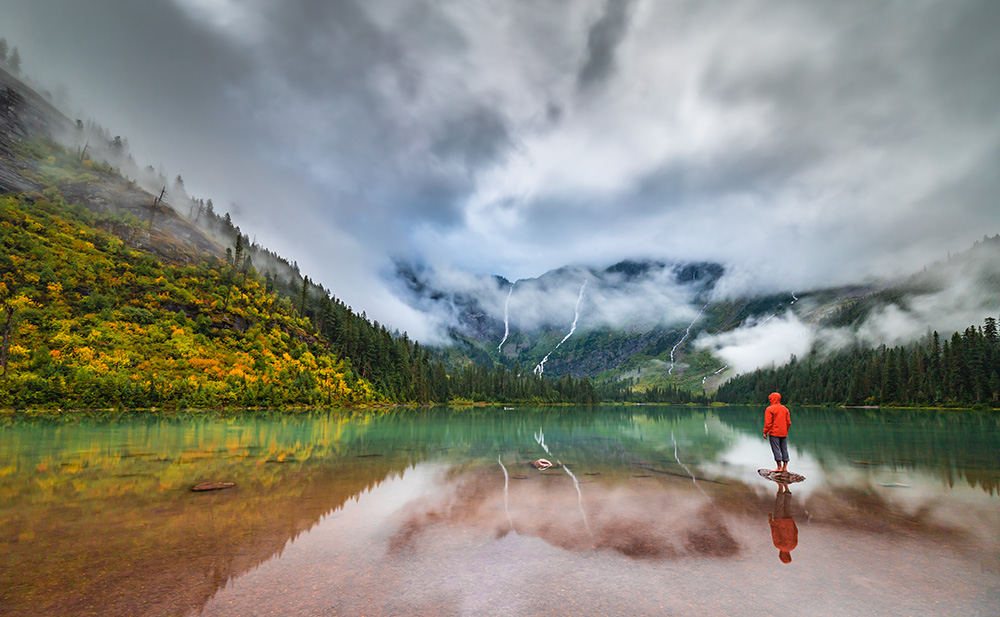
[232, 17]
[770, 341]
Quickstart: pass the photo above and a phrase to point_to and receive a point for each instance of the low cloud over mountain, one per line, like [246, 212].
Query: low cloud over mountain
[802, 144]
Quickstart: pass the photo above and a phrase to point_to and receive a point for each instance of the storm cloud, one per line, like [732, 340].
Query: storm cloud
[801, 144]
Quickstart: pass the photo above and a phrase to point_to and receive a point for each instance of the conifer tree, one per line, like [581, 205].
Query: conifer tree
[14, 62]
[238, 253]
[303, 295]
[117, 146]
[247, 264]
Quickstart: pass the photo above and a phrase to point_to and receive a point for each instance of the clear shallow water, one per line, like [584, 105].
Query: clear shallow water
[655, 510]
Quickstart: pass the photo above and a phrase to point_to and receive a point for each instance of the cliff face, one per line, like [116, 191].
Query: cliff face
[24, 115]
[622, 310]
[26, 119]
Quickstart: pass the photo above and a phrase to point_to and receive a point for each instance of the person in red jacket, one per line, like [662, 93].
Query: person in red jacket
[777, 419]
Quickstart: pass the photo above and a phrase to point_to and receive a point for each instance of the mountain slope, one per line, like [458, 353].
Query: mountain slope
[649, 324]
[95, 323]
[110, 297]
[572, 321]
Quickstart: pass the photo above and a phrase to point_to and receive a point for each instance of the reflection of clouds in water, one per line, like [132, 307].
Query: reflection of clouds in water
[374, 507]
[835, 489]
[745, 455]
[457, 556]
[638, 520]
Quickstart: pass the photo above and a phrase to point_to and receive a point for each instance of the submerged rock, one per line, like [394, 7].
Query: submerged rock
[543, 464]
[784, 477]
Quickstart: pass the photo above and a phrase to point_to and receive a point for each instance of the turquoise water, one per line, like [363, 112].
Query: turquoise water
[650, 510]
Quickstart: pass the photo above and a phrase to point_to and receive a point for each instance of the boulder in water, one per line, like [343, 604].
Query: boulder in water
[784, 477]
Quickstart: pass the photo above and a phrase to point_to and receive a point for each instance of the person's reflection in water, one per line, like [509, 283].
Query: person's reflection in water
[784, 533]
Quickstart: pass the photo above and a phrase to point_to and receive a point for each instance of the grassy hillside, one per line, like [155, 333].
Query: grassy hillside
[99, 310]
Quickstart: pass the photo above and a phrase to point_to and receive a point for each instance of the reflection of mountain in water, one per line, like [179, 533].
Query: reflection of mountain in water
[98, 518]
[908, 439]
[637, 518]
[91, 509]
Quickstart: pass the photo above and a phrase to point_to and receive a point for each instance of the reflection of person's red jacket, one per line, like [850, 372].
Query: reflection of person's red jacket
[776, 417]
[784, 533]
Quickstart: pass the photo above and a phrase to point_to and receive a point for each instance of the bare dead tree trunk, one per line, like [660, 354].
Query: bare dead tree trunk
[154, 206]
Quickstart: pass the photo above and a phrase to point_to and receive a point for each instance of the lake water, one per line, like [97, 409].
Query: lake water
[655, 510]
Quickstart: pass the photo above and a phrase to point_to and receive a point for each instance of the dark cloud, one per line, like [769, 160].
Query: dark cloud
[602, 41]
[475, 138]
[512, 138]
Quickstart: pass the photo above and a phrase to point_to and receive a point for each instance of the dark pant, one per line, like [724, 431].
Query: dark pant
[782, 505]
[779, 445]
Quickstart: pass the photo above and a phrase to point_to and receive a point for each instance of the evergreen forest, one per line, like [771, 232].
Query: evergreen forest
[960, 371]
[105, 308]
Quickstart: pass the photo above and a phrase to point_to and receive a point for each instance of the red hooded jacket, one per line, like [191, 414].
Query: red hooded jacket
[776, 417]
[784, 533]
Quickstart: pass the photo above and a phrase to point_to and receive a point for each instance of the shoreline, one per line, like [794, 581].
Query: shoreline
[51, 413]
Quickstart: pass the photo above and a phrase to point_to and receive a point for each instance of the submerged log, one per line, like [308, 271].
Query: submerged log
[212, 486]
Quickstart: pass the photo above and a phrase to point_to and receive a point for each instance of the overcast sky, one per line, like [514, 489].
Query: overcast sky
[801, 143]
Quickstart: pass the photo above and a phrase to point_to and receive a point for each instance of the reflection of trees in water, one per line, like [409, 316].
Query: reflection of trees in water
[106, 525]
[92, 506]
[951, 444]
[93, 511]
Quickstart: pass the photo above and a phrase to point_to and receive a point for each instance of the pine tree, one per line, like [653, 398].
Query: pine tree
[238, 253]
[117, 146]
[303, 296]
[247, 264]
[14, 62]
[990, 331]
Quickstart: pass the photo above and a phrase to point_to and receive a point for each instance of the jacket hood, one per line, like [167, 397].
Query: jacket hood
[775, 398]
